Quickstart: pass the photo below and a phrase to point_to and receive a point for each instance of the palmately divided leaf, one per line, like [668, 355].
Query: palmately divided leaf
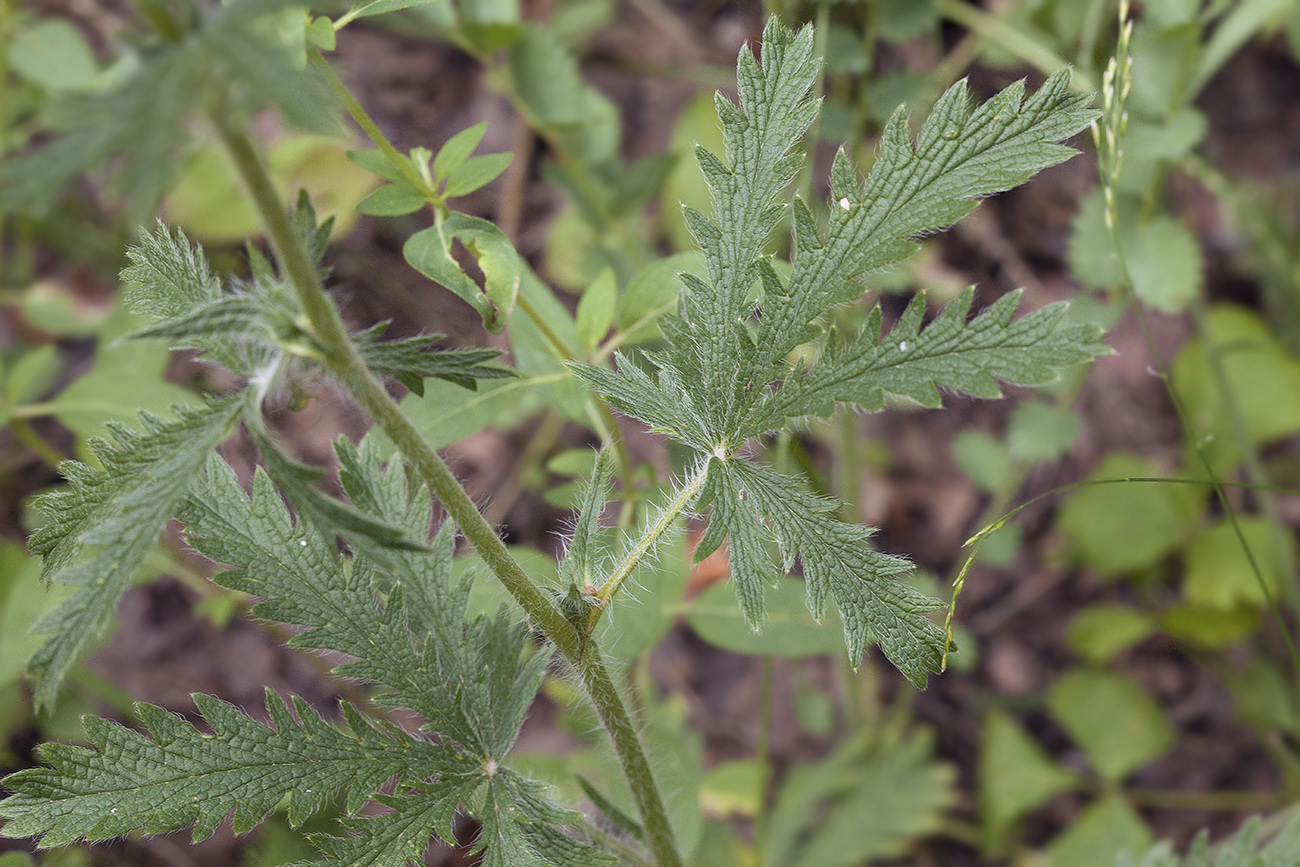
[304, 580]
[331, 516]
[99, 530]
[776, 108]
[179, 775]
[726, 377]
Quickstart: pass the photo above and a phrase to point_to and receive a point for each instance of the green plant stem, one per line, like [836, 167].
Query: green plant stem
[662, 524]
[376, 135]
[367, 124]
[340, 355]
[1250, 459]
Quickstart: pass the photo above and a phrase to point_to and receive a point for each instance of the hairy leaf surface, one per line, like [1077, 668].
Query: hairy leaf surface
[99, 530]
[179, 775]
[726, 376]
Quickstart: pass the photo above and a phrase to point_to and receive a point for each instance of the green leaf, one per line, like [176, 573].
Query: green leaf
[412, 360]
[983, 459]
[1261, 374]
[448, 413]
[1219, 573]
[546, 79]
[1041, 432]
[98, 532]
[430, 252]
[1016, 775]
[596, 309]
[1100, 631]
[393, 200]
[366, 8]
[1163, 258]
[22, 603]
[651, 293]
[788, 630]
[962, 153]
[475, 173]
[1099, 834]
[1237, 850]
[578, 568]
[456, 151]
[1165, 264]
[1126, 526]
[864, 801]
[837, 561]
[30, 375]
[732, 789]
[232, 57]
[52, 54]
[183, 776]
[332, 516]
[209, 199]
[1118, 726]
[911, 363]
[320, 33]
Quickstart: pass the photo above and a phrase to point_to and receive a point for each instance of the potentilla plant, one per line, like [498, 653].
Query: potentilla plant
[746, 353]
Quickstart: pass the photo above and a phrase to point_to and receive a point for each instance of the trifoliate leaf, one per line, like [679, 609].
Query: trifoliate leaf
[98, 531]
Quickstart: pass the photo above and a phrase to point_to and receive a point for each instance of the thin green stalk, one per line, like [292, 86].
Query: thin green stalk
[1167, 799]
[367, 124]
[1250, 458]
[663, 523]
[376, 135]
[326, 325]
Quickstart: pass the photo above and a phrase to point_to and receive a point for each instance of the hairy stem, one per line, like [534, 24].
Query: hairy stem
[663, 523]
[340, 355]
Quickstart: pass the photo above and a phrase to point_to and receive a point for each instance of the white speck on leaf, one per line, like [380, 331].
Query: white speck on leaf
[844, 203]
